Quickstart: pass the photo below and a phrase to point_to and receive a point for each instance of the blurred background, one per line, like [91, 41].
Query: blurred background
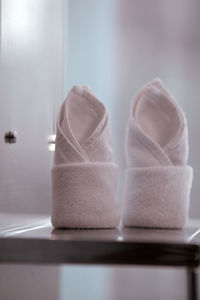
[114, 47]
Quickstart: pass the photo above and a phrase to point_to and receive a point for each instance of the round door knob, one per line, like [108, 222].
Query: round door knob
[51, 141]
[10, 137]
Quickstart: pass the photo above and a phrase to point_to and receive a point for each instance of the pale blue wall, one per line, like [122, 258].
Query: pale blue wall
[89, 38]
[90, 47]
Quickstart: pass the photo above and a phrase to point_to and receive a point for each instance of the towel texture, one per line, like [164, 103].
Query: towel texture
[157, 179]
[84, 177]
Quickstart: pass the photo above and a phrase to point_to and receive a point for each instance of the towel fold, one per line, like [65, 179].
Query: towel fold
[84, 177]
[157, 179]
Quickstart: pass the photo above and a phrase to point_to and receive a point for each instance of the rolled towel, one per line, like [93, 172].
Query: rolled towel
[157, 178]
[84, 177]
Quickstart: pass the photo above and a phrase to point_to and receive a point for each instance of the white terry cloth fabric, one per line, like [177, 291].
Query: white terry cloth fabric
[84, 177]
[157, 179]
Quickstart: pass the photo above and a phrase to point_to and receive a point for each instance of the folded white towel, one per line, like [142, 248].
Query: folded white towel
[84, 177]
[157, 179]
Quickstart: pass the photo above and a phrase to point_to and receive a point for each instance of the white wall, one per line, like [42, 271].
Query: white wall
[31, 81]
[160, 38]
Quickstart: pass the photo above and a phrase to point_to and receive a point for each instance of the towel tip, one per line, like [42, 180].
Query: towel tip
[157, 81]
[77, 89]
[82, 90]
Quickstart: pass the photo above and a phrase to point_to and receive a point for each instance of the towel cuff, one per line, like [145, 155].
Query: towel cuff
[83, 195]
[157, 197]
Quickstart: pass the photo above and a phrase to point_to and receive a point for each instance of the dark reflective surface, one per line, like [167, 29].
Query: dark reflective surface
[32, 239]
[35, 226]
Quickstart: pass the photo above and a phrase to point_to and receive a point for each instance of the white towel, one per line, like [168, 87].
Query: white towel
[84, 177]
[157, 179]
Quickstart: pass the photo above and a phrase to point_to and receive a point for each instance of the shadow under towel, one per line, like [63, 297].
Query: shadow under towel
[84, 178]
